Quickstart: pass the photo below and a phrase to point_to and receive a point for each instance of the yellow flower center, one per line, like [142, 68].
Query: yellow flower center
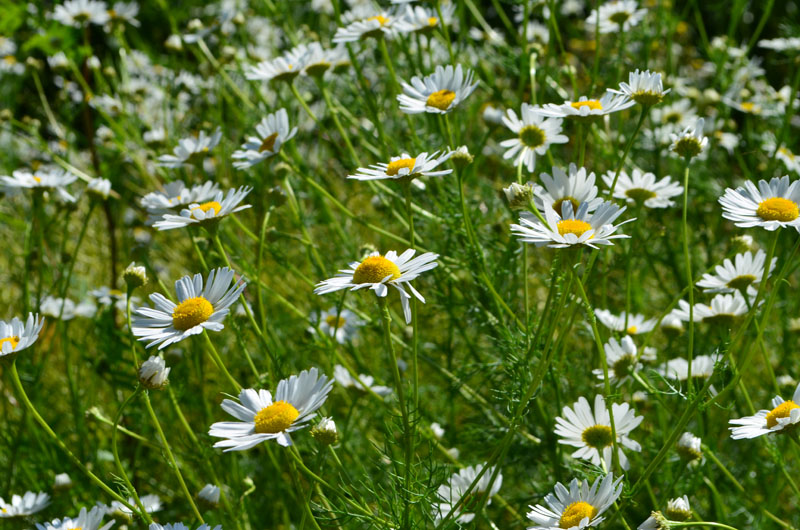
[786, 152]
[575, 513]
[532, 136]
[276, 418]
[396, 165]
[37, 179]
[573, 226]
[597, 436]
[740, 282]
[206, 206]
[380, 18]
[191, 312]
[13, 340]
[269, 143]
[632, 330]
[781, 411]
[374, 269]
[441, 99]
[640, 194]
[560, 203]
[748, 106]
[10, 59]
[593, 104]
[433, 21]
[778, 209]
[334, 321]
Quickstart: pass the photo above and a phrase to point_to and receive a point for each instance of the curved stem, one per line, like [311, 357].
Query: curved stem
[642, 116]
[117, 461]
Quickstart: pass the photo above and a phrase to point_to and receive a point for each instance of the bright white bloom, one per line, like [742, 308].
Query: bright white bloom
[569, 229]
[419, 19]
[378, 26]
[724, 309]
[577, 507]
[678, 368]
[636, 323]
[191, 149]
[319, 60]
[789, 159]
[781, 45]
[376, 272]
[124, 12]
[451, 493]
[181, 526]
[28, 504]
[284, 68]
[209, 494]
[66, 309]
[677, 114]
[590, 431]
[678, 509]
[438, 93]
[207, 212]
[325, 432]
[746, 270]
[260, 418]
[342, 325]
[519, 196]
[405, 166]
[153, 373]
[42, 180]
[197, 309]
[151, 503]
[90, 520]
[671, 324]
[615, 17]
[272, 132]
[784, 414]
[343, 377]
[644, 88]
[134, 275]
[576, 187]
[535, 134]
[689, 446]
[16, 336]
[77, 13]
[587, 108]
[622, 360]
[175, 195]
[691, 142]
[643, 188]
[100, 187]
[62, 482]
[771, 205]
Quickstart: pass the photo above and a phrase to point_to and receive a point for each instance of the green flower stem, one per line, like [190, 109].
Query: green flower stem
[335, 117]
[260, 264]
[228, 81]
[414, 326]
[303, 102]
[120, 467]
[221, 365]
[687, 262]
[642, 116]
[673, 524]
[445, 32]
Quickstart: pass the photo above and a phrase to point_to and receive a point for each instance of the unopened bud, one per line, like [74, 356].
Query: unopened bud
[134, 276]
[153, 373]
[325, 432]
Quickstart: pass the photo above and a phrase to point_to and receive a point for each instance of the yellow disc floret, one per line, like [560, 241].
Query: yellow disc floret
[334, 321]
[597, 436]
[781, 411]
[632, 330]
[575, 513]
[276, 418]
[12, 340]
[593, 104]
[380, 18]
[573, 226]
[269, 143]
[206, 206]
[532, 136]
[441, 99]
[778, 209]
[374, 269]
[403, 163]
[191, 312]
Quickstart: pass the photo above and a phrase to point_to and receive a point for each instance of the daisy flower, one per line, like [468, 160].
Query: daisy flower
[691, 142]
[615, 16]
[636, 323]
[451, 493]
[319, 60]
[534, 132]
[771, 205]
[66, 309]
[175, 195]
[587, 108]
[644, 88]
[789, 159]
[90, 520]
[574, 186]
[197, 308]
[342, 325]
[570, 229]
[272, 132]
[209, 494]
[678, 114]
[621, 357]
[580, 506]
[678, 368]
[784, 415]
[405, 167]
[208, 212]
[124, 12]
[380, 25]
[438, 93]
[28, 504]
[590, 431]
[42, 180]
[744, 271]
[150, 502]
[16, 336]
[376, 272]
[678, 509]
[781, 44]
[77, 13]
[284, 68]
[181, 526]
[643, 188]
[343, 377]
[419, 19]
[260, 418]
[689, 446]
[724, 309]
[191, 149]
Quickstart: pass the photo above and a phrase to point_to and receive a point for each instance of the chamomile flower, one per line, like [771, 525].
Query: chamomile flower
[55, 180]
[784, 415]
[587, 108]
[590, 431]
[78, 13]
[27, 504]
[644, 88]
[634, 324]
[284, 68]
[124, 12]
[209, 494]
[405, 167]
[206, 213]
[342, 325]
[724, 309]
[621, 357]
[691, 141]
[677, 114]
[261, 419]
[643, 188]
[376, 26]
[181, 526]
[438, 93]
[376, 272]
[272, 132]
[86, 520]
[789, 159]
[615, 16]
[570, 229]
[534, 132]
[197, 309]
[580, 506]
[16, 336]
[574, 186]
[191, 149]
[744, 271]
[781, 44]
[678, 368]
[419, 19]
[175, 195]
[451, 493]
[362, 382]
[319, 60]
[689, 447]
[150, 502]
[678, 509]
[771, 205]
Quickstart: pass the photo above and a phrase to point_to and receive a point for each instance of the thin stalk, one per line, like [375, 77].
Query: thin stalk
[120, 467]
[687, 261]
[642, 116]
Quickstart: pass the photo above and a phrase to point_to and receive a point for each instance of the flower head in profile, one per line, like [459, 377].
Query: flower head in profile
[580, 506]
[615, 16]
[632, 324]
[261, 418]
[284, 68]
[342, 324]
[678, 368]
[150, 502]
[378, 272]
[207, 213]
[645, 88]
[86, 520]
[689, 447]
[78, 13]
[191, 149]
[376, 26]
[691, 141]
[724, 309]
[438, 93]
[574, 186]
[623, 360]
[420, 19]
[405, 167]
[27, 504]
[153, 373]
[55, 180]
[181, 526]
[744, 271]
[783, 416]
[362, 382]
[771, 205]
[450, 494]
[209, 494]
[272, 132]
[585, 108]
[534, 133]
[16, 336]
[175, 195]
[197, 309]
[643, 188]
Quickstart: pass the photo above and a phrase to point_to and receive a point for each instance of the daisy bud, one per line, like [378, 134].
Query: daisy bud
[93, 62]
[656, 521]
[99, 188]
[678, 509]
[276, 197]
[62, 482]
[492, 114]
[671, 325]
[195, 25]
[461, 157]
[174, 43]
[689, 447]
[239, 19]
[153, 373]
[519, 196]
[34, 63]
[691, 141]
[209, 495]
[325, 432]
[743, 243]
[134, 276]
